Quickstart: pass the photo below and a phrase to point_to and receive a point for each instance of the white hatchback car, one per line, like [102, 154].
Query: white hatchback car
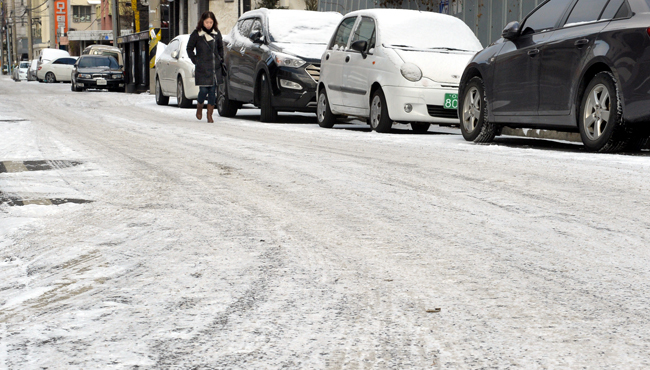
[60, 69]
[175, 74]
[394, 65]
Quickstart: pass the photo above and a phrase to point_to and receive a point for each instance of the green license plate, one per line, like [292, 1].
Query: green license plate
[451, 101]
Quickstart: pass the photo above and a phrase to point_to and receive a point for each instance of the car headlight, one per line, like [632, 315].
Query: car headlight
[83, 75]
[284, 60]
[411, 72]
[117, 76]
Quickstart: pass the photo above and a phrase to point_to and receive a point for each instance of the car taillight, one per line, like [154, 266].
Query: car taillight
[648, 31]
[39, 68]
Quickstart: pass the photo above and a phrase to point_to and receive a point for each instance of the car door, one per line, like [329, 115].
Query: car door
[167, 84]
[236, 50]
[55, 67]
[564, 55]
[356, 71]
[518, 64]
[66, 69]
[334, 61]
[252, 54]
[172, 65]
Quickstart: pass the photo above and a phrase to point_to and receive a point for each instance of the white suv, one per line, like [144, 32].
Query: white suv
[393, 65]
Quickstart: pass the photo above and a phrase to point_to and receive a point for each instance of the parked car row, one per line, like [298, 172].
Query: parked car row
[570, 65]
[99, 67]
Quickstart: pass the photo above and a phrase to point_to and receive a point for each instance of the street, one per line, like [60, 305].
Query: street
[133, 236]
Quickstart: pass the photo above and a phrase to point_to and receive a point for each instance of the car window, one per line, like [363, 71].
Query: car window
[24, 65]
[365, 32]
[586, 11]
[99, 62]
[255, 27]
[245, 27]
[343, 34]
[58, 61]
[69, 61]
[616, 9]
[546, 17]
[172, 47]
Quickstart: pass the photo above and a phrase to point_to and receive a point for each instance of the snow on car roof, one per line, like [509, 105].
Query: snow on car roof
[421, 30]
[298, 26]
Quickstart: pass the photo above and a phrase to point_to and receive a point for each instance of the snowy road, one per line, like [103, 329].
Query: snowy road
[242, 245]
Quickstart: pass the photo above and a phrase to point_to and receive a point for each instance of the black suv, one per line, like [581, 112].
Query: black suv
[272, 59]
[571, 65]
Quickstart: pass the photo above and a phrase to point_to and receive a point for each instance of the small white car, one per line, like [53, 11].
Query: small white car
[175, 74]
[58, 70]
[394, 65]
[20, 72]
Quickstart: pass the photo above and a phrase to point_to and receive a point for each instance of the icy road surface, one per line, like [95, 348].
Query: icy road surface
[242, 245]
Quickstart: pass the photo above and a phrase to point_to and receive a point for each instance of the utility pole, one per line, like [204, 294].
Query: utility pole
[3, 32]
[50, 5]
[30, 40]
[116, 21]
[14, 37]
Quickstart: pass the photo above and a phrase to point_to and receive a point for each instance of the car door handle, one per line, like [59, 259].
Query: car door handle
[533, 53]
[327, 57]
[580, 43]
[347, 58]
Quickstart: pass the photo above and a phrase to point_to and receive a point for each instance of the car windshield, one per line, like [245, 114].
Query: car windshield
[24, 65]
[426, 31]
[98, 62]
[302, 27]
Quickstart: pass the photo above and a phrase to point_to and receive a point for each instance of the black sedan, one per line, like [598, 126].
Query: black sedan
[97, 72]
[571, 65]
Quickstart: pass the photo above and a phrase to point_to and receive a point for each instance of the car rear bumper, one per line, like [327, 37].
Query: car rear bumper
[427, 104]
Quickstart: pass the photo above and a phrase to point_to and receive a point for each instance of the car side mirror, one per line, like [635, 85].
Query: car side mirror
[511, 31]
[175, 54]
[256, 37]
[361, 47]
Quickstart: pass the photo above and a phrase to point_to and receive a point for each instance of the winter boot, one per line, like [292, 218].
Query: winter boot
[210, 110]
[199, 111]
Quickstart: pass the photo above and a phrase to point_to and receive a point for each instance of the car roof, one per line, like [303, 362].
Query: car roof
[386, 13]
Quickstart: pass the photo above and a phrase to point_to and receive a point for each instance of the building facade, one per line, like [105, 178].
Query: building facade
[486, 18]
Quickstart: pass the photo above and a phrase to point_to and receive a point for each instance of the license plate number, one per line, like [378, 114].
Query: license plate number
[451, 101]
[101, 82]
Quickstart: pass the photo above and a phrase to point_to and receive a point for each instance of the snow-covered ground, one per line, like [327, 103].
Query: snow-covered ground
[242, 245]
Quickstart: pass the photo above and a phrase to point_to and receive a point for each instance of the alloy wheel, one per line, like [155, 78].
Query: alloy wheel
[49, 77]
[471, 109]
[375, 112]
[597, 111]
[322, 107]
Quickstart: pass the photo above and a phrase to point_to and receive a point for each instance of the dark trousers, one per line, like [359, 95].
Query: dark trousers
[210, 91]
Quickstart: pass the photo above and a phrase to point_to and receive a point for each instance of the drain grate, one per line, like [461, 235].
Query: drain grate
[22, 166]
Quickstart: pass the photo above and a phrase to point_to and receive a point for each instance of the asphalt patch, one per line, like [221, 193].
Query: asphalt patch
[14, 201]
[21, 166]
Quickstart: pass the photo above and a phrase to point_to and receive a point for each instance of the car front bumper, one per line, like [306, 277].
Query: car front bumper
[95, 84]
[427, 104]
[298, 100]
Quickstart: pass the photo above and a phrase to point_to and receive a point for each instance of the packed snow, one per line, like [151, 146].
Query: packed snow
[242, 245]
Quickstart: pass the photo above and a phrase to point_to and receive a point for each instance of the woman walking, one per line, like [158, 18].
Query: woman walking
[207, 41]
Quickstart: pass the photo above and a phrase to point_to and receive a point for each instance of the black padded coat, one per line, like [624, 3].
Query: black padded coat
[207, 58]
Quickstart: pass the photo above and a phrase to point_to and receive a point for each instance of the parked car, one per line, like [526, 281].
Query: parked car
[175, 74]
[105, 50]
[272, 58]
[390, 65]
[31, 71]
[571, 65]
[48, 55]
[97, 72]
[57, 70]
[20, 72]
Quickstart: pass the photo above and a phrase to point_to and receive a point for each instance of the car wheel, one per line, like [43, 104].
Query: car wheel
[323, 112]
[225, 106]
[49, 78]
[183, 102]
[379, 119]
[268, 114]
[160, 98]
[420, 128]
[474, 124]
[601, 119]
